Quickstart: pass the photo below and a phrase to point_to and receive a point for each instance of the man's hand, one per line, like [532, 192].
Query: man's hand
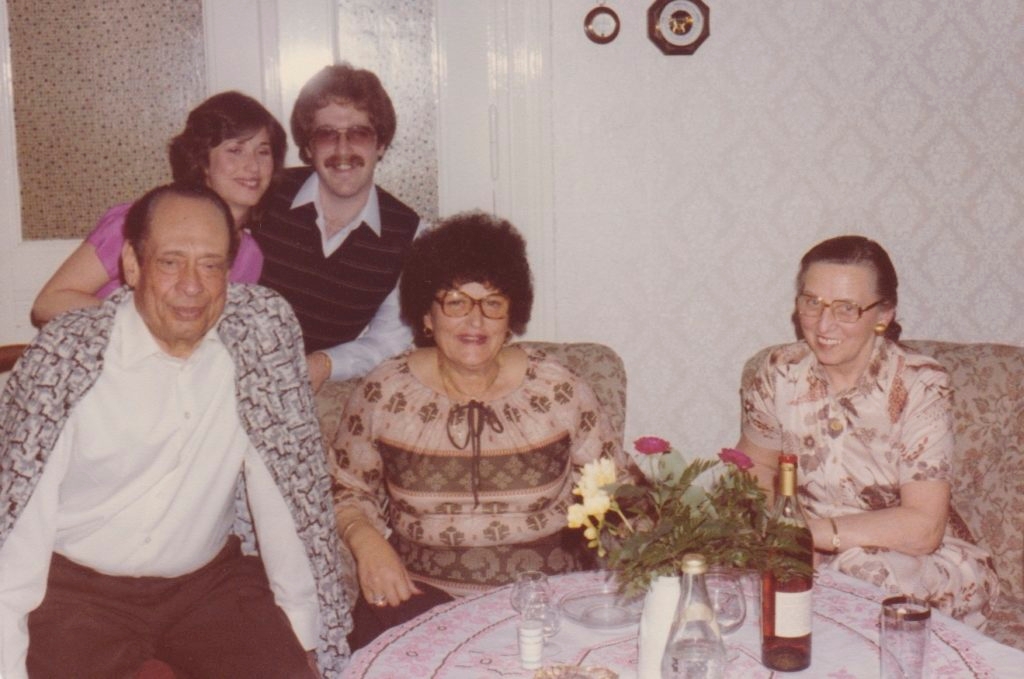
[319, 365]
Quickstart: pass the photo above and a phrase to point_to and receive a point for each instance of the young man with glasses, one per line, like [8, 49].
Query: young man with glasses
[333, 241]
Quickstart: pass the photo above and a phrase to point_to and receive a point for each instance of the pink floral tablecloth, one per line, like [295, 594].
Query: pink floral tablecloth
[475, 638]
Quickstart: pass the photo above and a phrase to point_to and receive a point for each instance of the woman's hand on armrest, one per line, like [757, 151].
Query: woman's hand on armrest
[380, 569]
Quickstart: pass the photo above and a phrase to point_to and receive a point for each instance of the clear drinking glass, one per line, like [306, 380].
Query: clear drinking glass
[904, 637]
[526, 583]
[726, 593]
[539, 609]
[539, 606]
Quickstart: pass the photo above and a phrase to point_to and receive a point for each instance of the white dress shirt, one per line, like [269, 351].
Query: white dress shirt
[141, 482]
[386, 335]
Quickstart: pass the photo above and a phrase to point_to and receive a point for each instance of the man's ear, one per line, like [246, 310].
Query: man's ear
[129, 264]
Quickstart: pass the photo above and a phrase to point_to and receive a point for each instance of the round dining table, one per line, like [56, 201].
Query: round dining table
[476, 638]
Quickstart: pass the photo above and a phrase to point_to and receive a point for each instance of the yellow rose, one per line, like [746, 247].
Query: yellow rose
[595, 475]
[577, 516]
[597, 504]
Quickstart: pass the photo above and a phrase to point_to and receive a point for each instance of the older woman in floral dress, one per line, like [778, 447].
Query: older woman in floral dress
[455, 462]
[871, 423]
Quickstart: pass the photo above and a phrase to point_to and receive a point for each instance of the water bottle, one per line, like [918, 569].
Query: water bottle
[694, 649]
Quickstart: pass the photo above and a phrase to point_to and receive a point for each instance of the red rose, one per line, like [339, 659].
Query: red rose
[736, 457]
[651, 445]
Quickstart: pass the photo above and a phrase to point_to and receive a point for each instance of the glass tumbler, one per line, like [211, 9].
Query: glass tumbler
[903, 638]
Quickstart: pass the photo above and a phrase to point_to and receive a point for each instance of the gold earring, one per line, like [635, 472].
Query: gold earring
[880, 328]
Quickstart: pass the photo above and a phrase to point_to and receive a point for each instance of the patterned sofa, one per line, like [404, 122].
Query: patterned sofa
[988, 479]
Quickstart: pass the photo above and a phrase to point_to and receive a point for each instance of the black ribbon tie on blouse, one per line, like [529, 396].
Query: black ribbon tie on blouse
[477, 415]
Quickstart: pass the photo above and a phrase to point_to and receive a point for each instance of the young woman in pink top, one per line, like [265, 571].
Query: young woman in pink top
[232, 144]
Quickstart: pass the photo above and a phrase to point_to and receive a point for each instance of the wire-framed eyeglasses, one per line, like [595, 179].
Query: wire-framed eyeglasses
[355, 135]
[843, 310]
[456, 304]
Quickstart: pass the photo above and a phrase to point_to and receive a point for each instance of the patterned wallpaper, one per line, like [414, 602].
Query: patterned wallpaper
[687, 187]
[100, 87]
[395, 40]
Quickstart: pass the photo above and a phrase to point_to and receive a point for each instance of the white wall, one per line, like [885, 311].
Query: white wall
[687, 187]
[673, 196]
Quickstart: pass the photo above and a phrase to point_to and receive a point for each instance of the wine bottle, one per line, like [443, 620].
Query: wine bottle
[694, 649]
[786, 599]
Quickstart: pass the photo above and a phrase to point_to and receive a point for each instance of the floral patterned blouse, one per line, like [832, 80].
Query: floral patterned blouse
[465, 515]
[857, 447]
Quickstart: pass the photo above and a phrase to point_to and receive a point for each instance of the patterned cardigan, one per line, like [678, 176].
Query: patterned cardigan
[275, 406]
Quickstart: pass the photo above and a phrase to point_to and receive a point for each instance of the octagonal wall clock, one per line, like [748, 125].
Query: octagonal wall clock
[678, 26]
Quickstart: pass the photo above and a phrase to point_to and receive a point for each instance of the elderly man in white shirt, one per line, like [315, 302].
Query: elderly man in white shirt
[143, 442]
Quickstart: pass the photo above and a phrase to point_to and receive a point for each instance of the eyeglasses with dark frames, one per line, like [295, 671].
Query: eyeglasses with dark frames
[456, 304]
[355, 135]
[843, 310]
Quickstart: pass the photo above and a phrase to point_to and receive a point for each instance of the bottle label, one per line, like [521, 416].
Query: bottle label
[792, 614]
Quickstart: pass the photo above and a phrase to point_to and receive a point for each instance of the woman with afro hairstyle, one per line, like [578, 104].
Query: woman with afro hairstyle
[455, 463]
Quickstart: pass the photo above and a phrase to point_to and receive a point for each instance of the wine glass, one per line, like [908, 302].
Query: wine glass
[727, 600]
[525, 584]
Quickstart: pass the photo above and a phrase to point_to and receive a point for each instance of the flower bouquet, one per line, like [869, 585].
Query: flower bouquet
[643, 527]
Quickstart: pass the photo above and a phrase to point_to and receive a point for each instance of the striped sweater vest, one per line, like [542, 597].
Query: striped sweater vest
[334, 297]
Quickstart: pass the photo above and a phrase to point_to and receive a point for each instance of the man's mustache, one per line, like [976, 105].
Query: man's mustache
[337, 160]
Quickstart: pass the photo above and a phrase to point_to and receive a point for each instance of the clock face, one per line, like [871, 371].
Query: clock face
[678, 26]
[601, 25]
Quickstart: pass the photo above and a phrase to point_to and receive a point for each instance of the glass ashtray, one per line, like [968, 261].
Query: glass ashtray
[602, 607]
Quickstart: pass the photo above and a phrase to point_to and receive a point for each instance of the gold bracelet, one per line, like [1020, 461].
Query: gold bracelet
[348, 528]
[835, 536]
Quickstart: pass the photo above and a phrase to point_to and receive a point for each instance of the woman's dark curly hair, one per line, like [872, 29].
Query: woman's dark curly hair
[343, 84]
[470, 247]
[863, 252]
[223, 116]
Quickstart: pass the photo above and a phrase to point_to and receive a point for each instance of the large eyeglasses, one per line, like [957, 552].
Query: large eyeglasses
[843, 310]
[456, 304]
[355, 135]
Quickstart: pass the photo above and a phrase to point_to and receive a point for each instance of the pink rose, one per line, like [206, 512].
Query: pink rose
[651, 445]
[736, 457]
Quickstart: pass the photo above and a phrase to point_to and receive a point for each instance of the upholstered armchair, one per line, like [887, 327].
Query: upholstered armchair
[988, 462]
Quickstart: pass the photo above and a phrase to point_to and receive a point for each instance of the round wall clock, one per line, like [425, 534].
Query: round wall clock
[601, 25]
[678, 26]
